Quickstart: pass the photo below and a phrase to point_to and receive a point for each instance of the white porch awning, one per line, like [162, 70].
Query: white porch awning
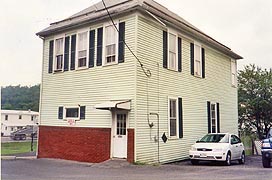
[110, 105]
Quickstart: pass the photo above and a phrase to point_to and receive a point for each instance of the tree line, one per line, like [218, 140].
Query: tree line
[20, 97]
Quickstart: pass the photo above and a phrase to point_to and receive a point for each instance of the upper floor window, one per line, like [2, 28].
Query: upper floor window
[20, 116]
[198, 60]
[59, 51]
[6, 117]
[233, 73]
[82, 49]
[110, 44]
[172, 51]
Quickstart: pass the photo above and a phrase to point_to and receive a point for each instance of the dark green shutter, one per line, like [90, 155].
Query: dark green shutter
[60, 114]
[51, 56]
[192, 49]
[218, 117]
[179, 55]
[99, 46]
[203, 63]
[180, 118]
[66, 53]
[165, 49]
[209, 116]
[121, 45]
[82, 112]
[73, 53]
[91, 48]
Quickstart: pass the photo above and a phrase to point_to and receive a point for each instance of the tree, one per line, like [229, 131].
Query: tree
[20, 97]
[255, 100]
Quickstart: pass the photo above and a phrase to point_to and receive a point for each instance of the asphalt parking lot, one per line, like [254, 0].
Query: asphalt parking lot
[49, 169]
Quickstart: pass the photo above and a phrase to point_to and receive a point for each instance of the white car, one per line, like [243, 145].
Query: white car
[222, 147]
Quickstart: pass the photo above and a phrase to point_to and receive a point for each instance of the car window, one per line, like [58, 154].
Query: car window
[235, 139]
[215, 138]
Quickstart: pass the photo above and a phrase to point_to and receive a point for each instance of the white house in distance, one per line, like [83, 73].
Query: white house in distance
[98, 101]
[13, 120]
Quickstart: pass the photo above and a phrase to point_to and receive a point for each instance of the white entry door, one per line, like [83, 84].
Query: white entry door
[120, 136]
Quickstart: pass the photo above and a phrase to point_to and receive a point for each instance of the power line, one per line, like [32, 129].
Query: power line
[147, 72]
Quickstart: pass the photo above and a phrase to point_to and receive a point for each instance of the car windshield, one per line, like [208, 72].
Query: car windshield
[215, 138]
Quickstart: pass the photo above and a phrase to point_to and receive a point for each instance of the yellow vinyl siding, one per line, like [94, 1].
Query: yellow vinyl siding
[89, 87]
[216, 87]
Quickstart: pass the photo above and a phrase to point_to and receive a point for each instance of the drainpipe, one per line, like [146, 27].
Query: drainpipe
[158, 133]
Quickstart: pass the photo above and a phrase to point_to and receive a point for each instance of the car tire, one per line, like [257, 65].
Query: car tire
[228, 159]
[266, 162]
[194, 162]
[242, 160]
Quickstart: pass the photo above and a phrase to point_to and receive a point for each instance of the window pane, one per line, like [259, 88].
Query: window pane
[172, 108]
[59, 46]
[172, 43]
[110, 35]
[82, 41]
[172, 60]
[110, 50]
[72, 112]
[197, 68]
[173, 127]
[197, 53]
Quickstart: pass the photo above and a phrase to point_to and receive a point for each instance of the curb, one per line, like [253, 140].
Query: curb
[14, 157]
[8, 157]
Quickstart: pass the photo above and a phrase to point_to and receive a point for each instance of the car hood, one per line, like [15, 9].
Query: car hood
[210, 145]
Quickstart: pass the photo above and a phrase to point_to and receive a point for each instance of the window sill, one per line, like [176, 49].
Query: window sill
[110, 64]
[198, 76]
[174, 70]
[58, 71]
[82, 68]
[172, 138]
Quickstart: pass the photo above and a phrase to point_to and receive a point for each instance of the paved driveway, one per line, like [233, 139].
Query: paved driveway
[47, 169]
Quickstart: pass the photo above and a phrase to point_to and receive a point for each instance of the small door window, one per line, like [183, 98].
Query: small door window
[121, 124]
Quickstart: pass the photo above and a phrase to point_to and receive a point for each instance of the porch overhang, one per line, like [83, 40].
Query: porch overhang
[114, 105]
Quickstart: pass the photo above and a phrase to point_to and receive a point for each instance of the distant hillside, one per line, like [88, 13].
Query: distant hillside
[20, 97]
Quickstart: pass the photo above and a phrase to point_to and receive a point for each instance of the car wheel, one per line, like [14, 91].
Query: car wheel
[243, 158]
[194, 162]
[228, 159]
[266, 162]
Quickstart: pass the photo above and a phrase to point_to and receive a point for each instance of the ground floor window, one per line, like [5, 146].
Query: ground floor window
[173, 123]
[213, 117]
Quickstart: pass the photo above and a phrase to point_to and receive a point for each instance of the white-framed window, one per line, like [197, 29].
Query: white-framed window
[233, 73]
[197, 60]
[213, 118]
[110, 44]
[72, 112]
[59, 54]
[173, 116]
[172, 51]
[20, 116]
[6, 117]
[82, 49]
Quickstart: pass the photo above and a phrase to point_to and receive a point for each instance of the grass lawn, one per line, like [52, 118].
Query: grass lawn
[10, 148]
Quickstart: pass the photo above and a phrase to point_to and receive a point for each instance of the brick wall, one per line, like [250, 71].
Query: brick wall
[130, 146]
[75, 143]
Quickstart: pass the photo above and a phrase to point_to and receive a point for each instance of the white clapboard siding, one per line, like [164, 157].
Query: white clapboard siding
[89, 87]
[216, 87]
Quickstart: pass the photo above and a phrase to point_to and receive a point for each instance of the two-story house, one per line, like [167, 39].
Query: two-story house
[143, 86]
[13, 120]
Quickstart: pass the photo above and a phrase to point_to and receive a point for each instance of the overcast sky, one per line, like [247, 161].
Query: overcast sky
[243, 25]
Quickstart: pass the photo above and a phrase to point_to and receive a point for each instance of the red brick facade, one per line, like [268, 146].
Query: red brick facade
[74, 143]
[130, 146]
